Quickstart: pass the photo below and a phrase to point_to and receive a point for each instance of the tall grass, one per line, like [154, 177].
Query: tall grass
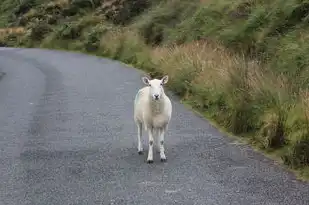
[238, 93]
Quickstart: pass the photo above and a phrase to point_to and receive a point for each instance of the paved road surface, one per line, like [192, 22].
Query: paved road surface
[68, 137]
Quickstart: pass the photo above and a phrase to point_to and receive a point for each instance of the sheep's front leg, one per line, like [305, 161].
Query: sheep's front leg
[162, 150]
[150, 150]
[139, 136]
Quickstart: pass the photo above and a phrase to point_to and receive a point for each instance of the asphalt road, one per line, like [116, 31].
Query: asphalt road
[67, 137]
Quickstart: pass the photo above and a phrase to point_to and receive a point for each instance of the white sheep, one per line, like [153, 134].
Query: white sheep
[153, 110]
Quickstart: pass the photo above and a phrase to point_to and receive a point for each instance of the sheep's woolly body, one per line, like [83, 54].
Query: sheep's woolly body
[152, 114]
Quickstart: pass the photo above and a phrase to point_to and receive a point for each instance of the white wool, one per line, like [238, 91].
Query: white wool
[152, 113]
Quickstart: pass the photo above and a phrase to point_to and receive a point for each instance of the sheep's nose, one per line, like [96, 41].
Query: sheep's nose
[156, 96]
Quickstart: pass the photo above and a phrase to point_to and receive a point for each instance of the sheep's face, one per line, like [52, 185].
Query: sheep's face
[156, 86]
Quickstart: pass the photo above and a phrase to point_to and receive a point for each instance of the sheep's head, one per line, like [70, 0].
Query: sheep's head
[156, 86]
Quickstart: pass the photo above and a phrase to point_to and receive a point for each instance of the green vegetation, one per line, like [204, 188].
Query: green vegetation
[243, 63]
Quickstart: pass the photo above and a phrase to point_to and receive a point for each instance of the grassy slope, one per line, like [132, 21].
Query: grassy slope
[243, 64]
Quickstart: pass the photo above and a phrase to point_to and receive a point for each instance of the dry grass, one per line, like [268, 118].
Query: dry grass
[305, 102]
[60, 3]
[13, 30]
[215, 64]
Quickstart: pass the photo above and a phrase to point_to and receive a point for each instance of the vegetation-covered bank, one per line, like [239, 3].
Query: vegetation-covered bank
[242, 63]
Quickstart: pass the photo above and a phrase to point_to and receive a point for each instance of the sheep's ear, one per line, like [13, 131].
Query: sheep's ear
[164, 79]
[145, 80]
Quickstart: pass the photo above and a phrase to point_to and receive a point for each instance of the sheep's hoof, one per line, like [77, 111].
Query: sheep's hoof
[149, 161]
[140, 152]
[163, 160]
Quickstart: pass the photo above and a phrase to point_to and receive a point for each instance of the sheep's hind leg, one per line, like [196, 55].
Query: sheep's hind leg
[162, 150]
[150, 150]
[139, 136]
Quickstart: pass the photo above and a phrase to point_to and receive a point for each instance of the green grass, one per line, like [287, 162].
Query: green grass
[242, 64]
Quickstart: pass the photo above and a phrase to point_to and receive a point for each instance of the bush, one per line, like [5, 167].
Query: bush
[156, 25]
[85, 3]
[121, 12]
[298, 154]
[39, 30]
[73, 30]
[92, 38]
[24, 7]
[69, 31]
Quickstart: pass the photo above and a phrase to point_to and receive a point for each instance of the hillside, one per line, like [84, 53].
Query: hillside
[243, 64]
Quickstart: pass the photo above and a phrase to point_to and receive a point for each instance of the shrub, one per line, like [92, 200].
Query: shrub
[297, 129]
[39, 30]
[92, 37]
[298, 154]
[121, 12]
[155, 24]
[24, 7]
[73, 30]
[85, 3]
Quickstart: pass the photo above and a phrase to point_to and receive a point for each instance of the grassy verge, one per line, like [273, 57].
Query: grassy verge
[237, 63]
[236, 94]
